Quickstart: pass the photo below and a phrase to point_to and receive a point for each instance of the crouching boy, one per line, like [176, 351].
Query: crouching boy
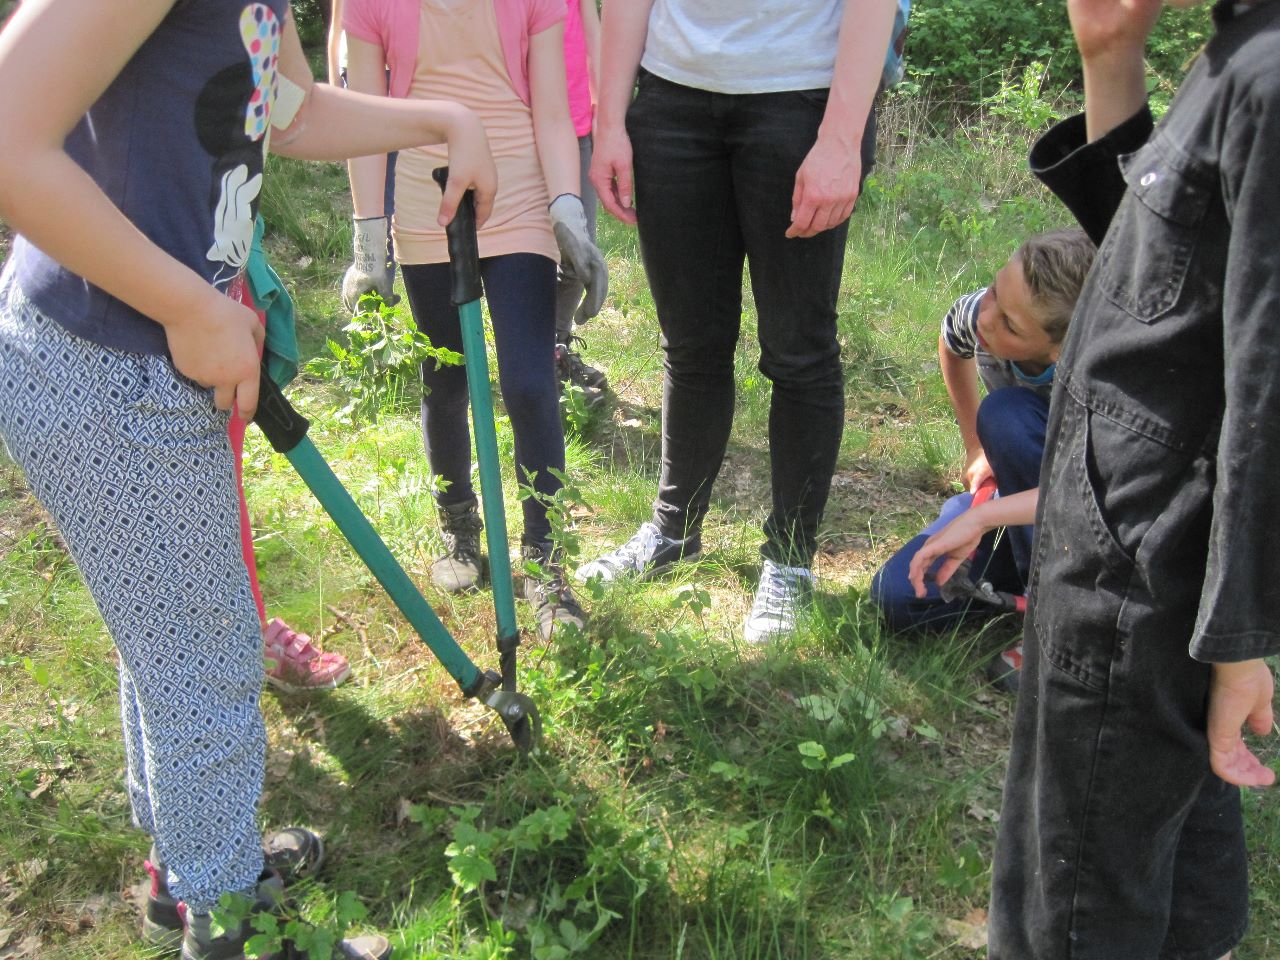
[1007, 336]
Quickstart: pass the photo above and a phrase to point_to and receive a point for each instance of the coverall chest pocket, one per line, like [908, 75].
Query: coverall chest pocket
[1147, 254]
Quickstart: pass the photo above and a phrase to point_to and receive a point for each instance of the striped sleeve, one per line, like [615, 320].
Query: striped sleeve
[960, 325]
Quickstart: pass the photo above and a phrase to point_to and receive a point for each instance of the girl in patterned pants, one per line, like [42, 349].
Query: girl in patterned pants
[121, 354]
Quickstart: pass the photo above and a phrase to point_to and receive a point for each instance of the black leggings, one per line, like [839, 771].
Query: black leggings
[521, 292]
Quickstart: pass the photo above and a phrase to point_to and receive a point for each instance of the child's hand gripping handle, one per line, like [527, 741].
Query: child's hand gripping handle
[283, 426]
[957, 583]
[986, 490]
[464, 248]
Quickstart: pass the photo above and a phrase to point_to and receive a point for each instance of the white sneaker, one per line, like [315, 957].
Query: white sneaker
[644, 555]
[783, 591]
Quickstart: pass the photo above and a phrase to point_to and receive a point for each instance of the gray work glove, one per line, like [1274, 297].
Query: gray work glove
[369, 273]
[578, 255]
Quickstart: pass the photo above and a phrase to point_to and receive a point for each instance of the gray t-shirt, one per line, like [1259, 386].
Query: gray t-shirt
[744, 46]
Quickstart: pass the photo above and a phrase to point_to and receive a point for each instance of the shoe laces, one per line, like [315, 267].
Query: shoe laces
[637, 551]
[781, 588]
[571, 365]
[462, 534]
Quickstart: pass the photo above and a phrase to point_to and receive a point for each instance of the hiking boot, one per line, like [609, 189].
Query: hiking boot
[291, 853]
[782, 593]
[646, 554]
[553, 602]
[572, 370]
[1005, 670]
[199, 942]
[161, 921]
[459, 569]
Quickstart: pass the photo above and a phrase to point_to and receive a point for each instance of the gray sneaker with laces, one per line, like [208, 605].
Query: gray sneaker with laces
[782, 594]
[646, 554]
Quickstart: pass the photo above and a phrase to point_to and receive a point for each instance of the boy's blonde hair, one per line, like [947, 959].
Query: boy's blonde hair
[1054, 264]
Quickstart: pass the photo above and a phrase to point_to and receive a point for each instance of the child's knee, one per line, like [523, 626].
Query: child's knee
[1011, 410]
[893, 595]
[1011, 423]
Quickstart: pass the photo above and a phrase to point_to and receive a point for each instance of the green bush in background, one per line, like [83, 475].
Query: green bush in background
[962, 48]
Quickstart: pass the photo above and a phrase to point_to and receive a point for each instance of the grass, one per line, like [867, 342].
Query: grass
[831, 796]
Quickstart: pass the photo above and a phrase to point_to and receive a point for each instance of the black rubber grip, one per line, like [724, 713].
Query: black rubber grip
[464, 249]
[283, 426]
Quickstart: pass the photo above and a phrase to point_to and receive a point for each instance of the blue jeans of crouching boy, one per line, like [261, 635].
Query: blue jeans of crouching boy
[1011, 426]
[714, 177]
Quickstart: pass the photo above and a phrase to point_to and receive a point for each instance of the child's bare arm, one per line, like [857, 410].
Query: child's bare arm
[828, 181]
[57, 57]
[334, 43]
[623, 33]
[960, 374]
[1112, 37]
[335, 124]
[552, 125]
[591, 39]
[960, 537]
[558, 153]
[366, 76]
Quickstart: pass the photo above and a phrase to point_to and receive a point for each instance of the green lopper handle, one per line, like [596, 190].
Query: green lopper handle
[464, 261]
[286, 431]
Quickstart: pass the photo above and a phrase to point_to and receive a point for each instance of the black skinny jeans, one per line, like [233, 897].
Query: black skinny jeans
[714, 175]
[520, 289]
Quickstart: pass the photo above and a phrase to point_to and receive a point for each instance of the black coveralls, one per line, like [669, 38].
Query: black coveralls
[1158, 525]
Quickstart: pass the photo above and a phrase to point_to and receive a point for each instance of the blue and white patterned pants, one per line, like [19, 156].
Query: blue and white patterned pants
[133, 463]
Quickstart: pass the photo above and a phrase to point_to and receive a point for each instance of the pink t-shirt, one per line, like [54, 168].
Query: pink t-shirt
[575, 69]
[393, 25]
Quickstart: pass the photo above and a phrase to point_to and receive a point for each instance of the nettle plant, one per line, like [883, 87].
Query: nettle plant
[553, 871]
[378, 368]
[286, 931]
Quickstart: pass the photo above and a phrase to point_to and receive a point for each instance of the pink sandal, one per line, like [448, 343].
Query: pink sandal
[294, 664]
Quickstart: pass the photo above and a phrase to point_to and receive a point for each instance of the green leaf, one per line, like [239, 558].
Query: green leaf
[349, 908]
[811, 748]
[726, 770]
[470, 871]
[570, 935]
[260, 944]
[322, 944]
[900, 909]
[38, 671]
[926, 731]
[840, 761]
[265, 922]
[819, 707]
